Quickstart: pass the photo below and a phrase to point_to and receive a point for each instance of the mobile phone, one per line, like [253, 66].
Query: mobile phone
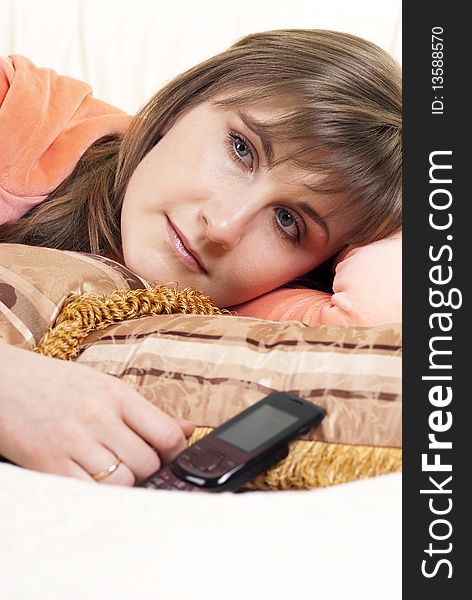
[240, 449]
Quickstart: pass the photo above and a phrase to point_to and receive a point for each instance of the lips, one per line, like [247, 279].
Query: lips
[183, 249]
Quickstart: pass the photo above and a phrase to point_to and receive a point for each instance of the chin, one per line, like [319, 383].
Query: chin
[218, 299]
[225, 301]
[139, 264]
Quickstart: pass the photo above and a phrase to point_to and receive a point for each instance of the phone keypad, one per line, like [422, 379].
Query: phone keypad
[199, 462]
[166, 480]
[228, 464]
[207, 461]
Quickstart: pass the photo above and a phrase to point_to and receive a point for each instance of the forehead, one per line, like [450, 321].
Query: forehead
[267, 110]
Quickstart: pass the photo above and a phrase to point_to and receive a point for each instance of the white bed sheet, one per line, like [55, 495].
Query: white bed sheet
[65, 539]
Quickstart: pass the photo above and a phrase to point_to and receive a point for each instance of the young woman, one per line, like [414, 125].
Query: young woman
[240, 175]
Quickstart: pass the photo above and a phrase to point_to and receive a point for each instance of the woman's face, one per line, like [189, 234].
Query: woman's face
[203, 210]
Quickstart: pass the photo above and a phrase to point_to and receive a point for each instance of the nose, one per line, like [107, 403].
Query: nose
[226, 221]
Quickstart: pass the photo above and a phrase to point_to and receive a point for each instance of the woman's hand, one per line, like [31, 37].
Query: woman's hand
[66, 418]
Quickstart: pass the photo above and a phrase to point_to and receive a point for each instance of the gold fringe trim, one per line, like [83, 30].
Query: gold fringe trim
[81, 315]
[308, 465]
[312, 464]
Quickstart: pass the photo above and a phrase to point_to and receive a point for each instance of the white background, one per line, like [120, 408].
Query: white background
[127, 49]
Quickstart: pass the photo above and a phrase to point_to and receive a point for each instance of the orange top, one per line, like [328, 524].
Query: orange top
[47, 121]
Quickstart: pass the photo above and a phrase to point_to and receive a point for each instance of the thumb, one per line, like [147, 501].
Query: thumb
[187, 426]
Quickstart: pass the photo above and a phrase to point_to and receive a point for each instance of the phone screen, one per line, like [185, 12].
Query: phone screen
[257, 428]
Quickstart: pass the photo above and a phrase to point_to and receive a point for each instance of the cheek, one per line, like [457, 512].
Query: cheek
[263, 266]
[156, 175]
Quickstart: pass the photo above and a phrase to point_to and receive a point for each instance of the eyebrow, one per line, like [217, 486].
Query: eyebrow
[315, 216]
[268, 149]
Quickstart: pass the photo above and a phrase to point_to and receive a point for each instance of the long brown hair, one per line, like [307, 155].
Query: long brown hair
[343, 98]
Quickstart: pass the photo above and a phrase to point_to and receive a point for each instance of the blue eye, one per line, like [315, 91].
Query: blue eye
[286, 222]
[240, 149]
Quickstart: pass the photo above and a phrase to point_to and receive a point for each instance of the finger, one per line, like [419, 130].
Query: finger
[139, 457]
[187, 426]
[65, 468]
[122, 476]
[96, 459]
[158, 429]
[73, 469]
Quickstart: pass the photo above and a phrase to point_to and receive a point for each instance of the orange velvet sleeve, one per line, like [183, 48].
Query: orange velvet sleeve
[47, 121]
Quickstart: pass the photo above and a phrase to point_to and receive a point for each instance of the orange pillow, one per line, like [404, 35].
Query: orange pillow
[367, 291]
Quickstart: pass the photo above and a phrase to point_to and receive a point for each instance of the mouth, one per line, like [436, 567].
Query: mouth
[184, 251]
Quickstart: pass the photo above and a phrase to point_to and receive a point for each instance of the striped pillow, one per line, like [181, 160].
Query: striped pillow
[208, 368]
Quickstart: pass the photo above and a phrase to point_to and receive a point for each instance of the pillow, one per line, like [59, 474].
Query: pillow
[367, 291]
[34, 283]
[208, 368]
